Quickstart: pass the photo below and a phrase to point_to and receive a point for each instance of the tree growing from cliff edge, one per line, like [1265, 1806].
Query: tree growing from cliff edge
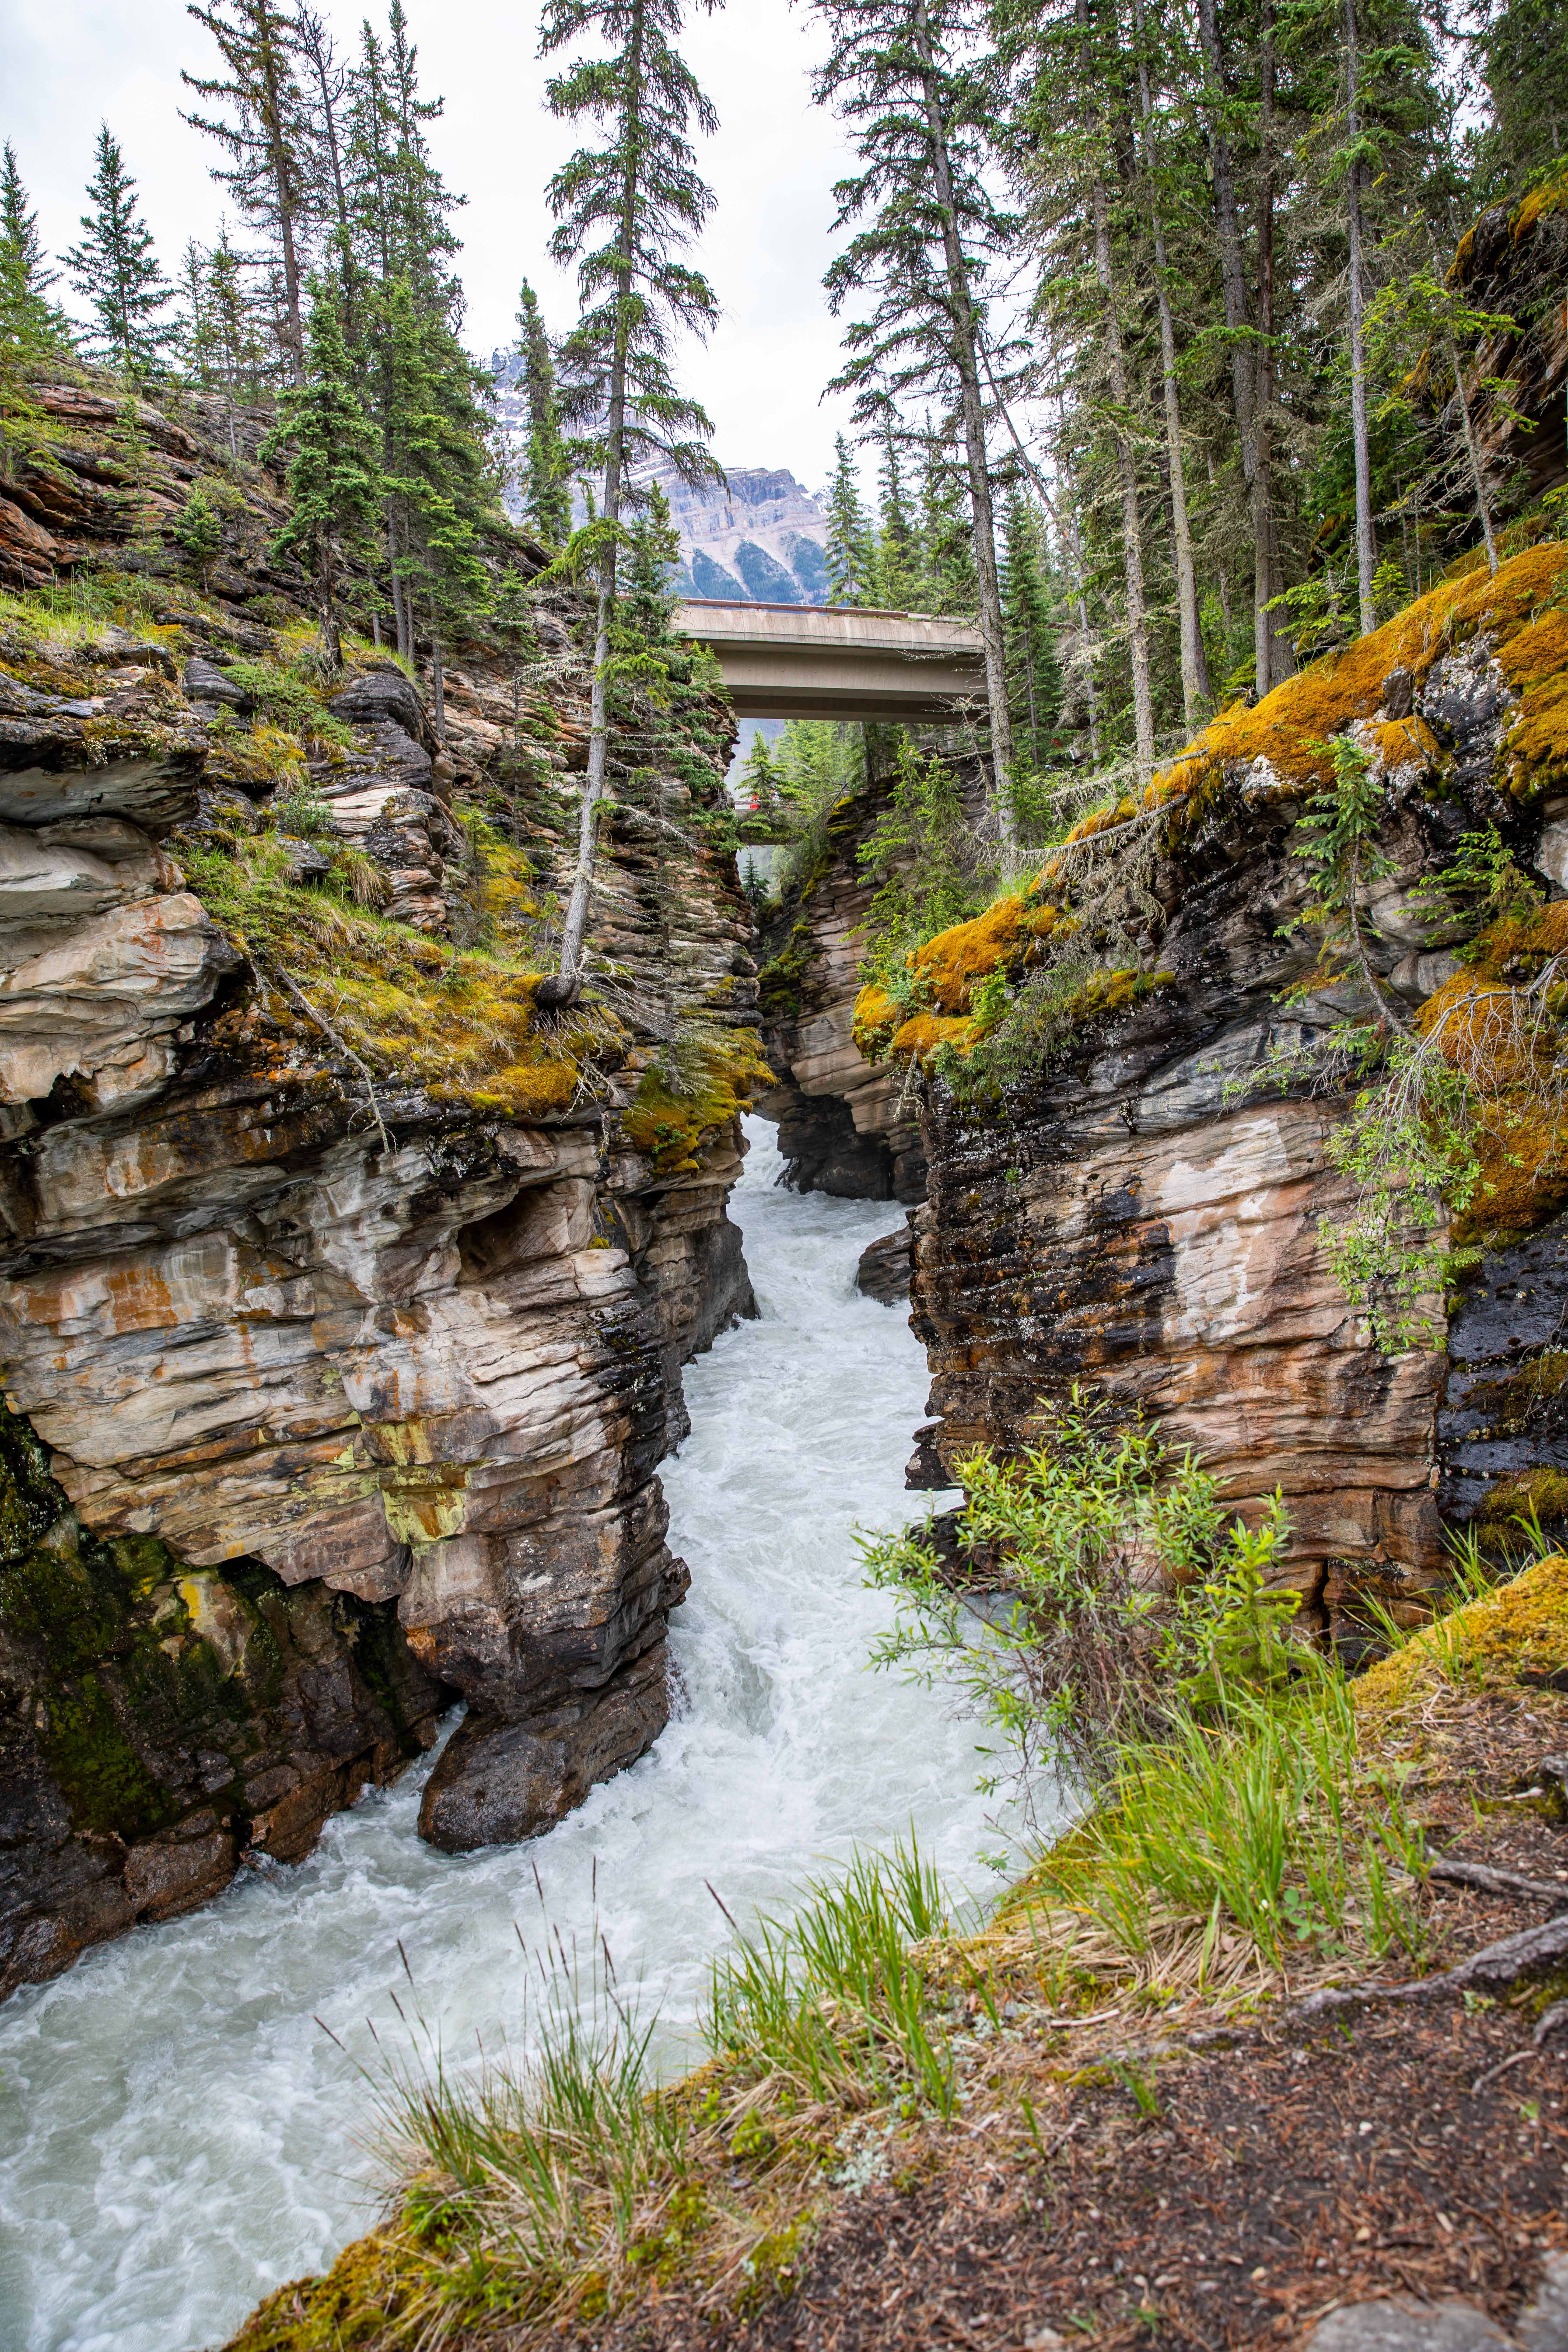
[116, 269]
[265, 130]
[334, 480]
[627, 208]
[548, 501]
[900, 73]
[29, 321]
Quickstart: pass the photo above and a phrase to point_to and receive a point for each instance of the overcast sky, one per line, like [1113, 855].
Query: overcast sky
[65, 64]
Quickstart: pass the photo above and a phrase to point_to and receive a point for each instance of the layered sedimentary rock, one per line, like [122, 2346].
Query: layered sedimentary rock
[1144, 1212]
[845, 1126]
[342, 1298]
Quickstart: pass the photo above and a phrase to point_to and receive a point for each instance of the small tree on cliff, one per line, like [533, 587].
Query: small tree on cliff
[29, 321]
[265, 129]
[116, 269]
[627, 208]
[548, 501]
[850, 552]
[334, 479]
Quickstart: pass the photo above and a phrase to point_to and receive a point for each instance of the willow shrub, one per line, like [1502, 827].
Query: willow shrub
[1101, 1591]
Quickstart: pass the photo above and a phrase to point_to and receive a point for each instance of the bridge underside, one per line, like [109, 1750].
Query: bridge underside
[803, 661]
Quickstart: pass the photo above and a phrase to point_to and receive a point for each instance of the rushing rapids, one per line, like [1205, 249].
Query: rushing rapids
[179, 2134]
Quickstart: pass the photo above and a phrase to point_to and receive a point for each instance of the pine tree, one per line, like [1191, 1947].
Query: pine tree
[1033, 674]
[847, 551]
[334, 483]
[627, 209]
[653, 559]
[266, 131]
[439, 494]
[116, 269]
[898, 555]
[760, 784]
[921, 121]
[329, 84]
[548, 503]
[29, 321]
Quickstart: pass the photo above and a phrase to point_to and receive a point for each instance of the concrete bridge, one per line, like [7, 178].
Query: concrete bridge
[833, 661]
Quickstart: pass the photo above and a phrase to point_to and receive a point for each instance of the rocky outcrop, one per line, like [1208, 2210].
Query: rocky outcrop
[342, 1295]
[1144, 1212]
[886, 1266]
[845, 1127]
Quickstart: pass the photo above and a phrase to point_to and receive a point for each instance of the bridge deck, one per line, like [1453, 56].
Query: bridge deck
[835, 661]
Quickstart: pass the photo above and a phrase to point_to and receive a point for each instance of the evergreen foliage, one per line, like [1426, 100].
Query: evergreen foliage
[334, 482]
[626, 210]
[30, 322]
[548, 501]
[116, 269]
[264, 128]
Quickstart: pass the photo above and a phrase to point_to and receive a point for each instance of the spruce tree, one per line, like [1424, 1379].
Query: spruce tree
[653, 559]
[627, 209]
[921, 118]
[266, 131]
[334, 480]
[897, 556]
[848, 552]
[1034, 676]
[116, 269]
[29, 322]
[548, 503]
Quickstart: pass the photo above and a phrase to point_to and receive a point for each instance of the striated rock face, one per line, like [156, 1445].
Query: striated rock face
[1131, 1215]
[845, 1127]
[338, 1393]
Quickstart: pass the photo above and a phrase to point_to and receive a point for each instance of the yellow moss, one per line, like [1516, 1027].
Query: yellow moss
[1520, 1145]
[1551, 197]
[873, 1021]
[462, 1025]
[260, 755]
[1291, 727]
[967, 951]
[921, 1035]
[1544, 1491]
[669, 1121]
[1522, 1629]
[366, 2289]
[1535, 663]
[1396, 741]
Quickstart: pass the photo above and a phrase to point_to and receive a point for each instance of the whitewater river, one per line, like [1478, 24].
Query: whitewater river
[178, 2134]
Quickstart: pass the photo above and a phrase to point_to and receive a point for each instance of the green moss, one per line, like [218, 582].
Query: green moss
[782, 978]
[1544, 1491]
[358, 2303]
[103, 1780]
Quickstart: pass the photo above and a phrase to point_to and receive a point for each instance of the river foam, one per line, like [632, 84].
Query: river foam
[177, 2132]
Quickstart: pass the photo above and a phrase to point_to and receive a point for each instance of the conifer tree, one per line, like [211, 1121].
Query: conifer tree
[921, 113]
[266, 131]
[847, 551]
[334, 484]
[29, 321]
[548, 503]
[759, 781]
[897, 556]
[627, 209]
[1034, 676]
[116, 269]
[329, 82]
[653, 559]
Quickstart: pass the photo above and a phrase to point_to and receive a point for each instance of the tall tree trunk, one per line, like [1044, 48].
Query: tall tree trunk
[284, 195]
[1233, 274]
[568, 986]
[1194, 682]
[966, 359]
[1126, 468]
[438, 677]
[1366, 545]
[1472, 451]
[1074, 545]
[1274, 659]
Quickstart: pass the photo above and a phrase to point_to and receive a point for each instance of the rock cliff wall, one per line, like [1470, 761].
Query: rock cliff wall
[1142, 1210]
[342, 1292]
[846, 1126]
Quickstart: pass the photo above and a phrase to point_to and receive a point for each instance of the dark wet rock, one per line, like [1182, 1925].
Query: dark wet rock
[885, 1267]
